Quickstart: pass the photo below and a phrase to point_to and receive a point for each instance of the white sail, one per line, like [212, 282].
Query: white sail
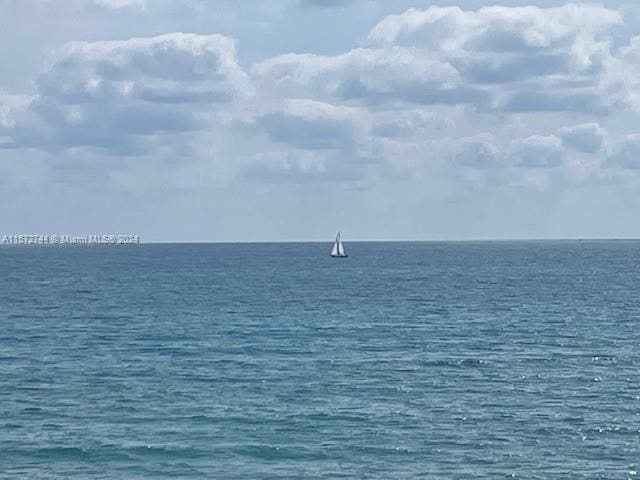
[338, 248]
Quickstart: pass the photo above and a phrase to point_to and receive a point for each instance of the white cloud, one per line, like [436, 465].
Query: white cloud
[537, 151]
[118, 95]
[623, 75]
[10, 108]
[409, 123]
[173, 68]
[460, 80]
[586, 138]
[311, 125]
[479, 151]
[499, 29]
[524, 59]
[510, 68]
[369, 76]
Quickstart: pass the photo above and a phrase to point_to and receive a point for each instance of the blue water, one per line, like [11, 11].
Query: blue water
[406, 360]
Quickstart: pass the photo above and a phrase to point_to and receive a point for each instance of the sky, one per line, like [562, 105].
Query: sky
[288, 120]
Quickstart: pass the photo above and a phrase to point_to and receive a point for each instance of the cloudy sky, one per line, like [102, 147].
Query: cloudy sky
[219, 120]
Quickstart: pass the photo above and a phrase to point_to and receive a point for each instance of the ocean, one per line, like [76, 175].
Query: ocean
[261, 361]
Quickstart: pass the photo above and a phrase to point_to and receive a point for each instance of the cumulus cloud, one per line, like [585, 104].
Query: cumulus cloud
[495, 62]
[407, 123]
[586, 138]
[513, 59]
[537, 151]
[623, 75]
[112, 94]
[172, 68]
[479, 152]
[459, 79]
[311, 125]
[483, 151]
[370, 76]
[497, 28]
[10, 108]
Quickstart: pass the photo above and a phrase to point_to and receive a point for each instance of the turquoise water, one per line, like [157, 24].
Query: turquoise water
[406, 360]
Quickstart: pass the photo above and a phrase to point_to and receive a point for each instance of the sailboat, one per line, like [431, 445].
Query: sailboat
[338, 249]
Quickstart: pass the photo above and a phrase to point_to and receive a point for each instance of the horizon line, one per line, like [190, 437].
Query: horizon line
[472, 240]
[324, 241]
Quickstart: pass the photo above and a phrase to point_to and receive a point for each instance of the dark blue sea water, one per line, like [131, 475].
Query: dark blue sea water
[406, 360]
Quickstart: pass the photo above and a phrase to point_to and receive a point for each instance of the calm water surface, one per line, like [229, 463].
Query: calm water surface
[406, 360]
